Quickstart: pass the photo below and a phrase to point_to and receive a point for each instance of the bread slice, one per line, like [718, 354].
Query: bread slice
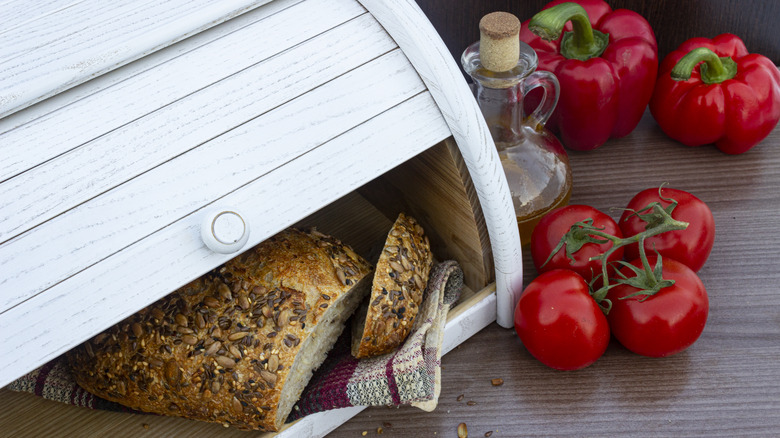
[383, 322]
[236, 346]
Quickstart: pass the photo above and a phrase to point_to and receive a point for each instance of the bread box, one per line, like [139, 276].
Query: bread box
[127, 127]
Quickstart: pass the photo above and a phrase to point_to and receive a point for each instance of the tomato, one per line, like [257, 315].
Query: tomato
[554, 225]
[559, 323]
[690, 246]
[665, 323]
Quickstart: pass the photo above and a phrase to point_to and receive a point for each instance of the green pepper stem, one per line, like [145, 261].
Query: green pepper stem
[714, 70]
[582, 43]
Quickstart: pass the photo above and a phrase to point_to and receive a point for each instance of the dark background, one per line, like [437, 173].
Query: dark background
[755, 21]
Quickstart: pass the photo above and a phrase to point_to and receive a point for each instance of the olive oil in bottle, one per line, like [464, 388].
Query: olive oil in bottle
[503, 70]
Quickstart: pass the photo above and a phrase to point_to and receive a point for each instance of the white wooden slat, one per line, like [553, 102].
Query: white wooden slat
[147, 62]
[415, 35]
[18, 13]
[60, 184]
[134, 97]
[51, 323]
[68, 47]
[83, 236]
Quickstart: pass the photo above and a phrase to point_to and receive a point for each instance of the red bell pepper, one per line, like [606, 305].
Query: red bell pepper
[606, 66]
[713, 91]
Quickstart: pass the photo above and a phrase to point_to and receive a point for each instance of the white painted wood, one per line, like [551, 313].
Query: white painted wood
[60, 184]
[70, 45]
[149, 202]
[48, 324]
[415, 35]
[320, 424]
[20, 13]
[147, 62]
[469, 322]
[135, 97]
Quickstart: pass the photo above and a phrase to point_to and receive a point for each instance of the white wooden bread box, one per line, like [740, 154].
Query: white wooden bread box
[123, 126]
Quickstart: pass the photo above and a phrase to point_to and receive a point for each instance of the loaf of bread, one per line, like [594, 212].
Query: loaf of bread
[236, 346]
[383, 321]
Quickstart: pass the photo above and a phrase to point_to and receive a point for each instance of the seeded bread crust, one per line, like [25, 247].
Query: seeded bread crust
[236, 346]
[384, 321]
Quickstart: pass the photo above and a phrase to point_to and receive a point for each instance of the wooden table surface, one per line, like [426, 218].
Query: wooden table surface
[726, 384]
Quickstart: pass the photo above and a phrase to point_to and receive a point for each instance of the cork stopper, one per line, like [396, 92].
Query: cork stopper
[499, 41]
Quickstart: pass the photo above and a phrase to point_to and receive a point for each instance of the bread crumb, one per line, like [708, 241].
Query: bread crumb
[146, 426]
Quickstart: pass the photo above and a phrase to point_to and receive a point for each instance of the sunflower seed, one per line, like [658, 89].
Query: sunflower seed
[226, 362]
[199, 321]
[406, 264]
[273, 362]
[341, 275]
[237, 336]
[269, 377]
[243, 302]
[418, 281]
[213, 348]
[224, 292]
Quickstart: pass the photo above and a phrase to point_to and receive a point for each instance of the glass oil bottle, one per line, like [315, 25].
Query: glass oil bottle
[503, 70]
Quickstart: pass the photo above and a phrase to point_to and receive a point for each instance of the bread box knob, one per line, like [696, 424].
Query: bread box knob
[224, 231]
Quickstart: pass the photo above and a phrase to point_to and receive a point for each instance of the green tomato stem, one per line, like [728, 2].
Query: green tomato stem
[659, 221]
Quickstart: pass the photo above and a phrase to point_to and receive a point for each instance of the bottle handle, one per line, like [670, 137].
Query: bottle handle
[551, 87]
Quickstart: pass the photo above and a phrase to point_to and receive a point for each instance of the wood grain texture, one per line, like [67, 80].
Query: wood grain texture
[67, 46]
[161, 56]
[137, 208]
[77, 165]
[727, 384]
[673, 21]
[184, 81]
